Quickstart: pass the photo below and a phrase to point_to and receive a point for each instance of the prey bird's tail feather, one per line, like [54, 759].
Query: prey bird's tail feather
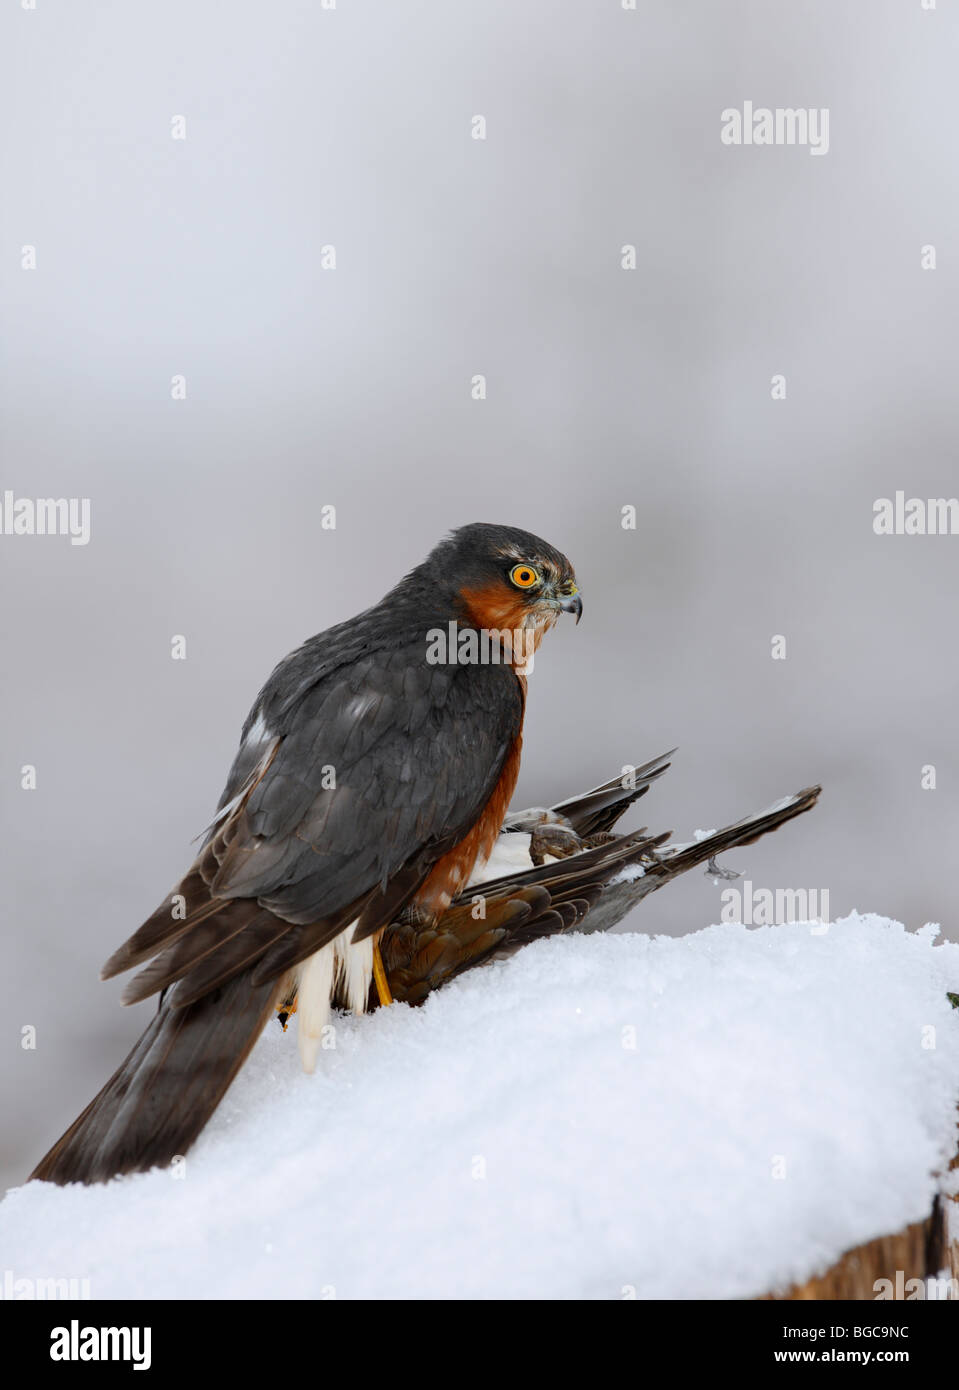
[157, 1102]
[601, 808]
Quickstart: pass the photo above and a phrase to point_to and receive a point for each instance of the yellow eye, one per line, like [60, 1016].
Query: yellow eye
[524, 576]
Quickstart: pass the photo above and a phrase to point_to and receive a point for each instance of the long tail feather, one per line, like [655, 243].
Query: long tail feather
[157, 1102]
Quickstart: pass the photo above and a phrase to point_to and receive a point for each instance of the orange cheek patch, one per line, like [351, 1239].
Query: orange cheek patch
[495, 606]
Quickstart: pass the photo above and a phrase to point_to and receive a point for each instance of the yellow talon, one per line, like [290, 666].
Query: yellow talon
[285, 1012]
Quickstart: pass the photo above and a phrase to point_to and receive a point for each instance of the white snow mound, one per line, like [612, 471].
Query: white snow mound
[711, 1116]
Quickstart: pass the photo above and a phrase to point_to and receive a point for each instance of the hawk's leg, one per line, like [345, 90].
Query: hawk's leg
[379, 977]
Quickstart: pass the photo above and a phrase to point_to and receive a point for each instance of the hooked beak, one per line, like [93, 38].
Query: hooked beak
[571, 603]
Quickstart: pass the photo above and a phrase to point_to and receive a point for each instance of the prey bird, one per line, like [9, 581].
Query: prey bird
[362, 851]
[561, 870]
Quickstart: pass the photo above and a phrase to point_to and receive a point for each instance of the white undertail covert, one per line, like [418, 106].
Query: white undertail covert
[339, 967]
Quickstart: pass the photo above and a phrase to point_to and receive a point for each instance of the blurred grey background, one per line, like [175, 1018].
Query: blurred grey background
[352, 127]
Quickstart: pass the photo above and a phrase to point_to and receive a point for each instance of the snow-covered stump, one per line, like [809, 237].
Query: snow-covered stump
[735, 1113]
[921, 1261]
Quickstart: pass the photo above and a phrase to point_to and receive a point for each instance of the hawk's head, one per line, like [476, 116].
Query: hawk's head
[500, 577]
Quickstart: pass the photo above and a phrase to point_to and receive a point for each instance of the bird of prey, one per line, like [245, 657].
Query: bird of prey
[389, 878]
[374, 772]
